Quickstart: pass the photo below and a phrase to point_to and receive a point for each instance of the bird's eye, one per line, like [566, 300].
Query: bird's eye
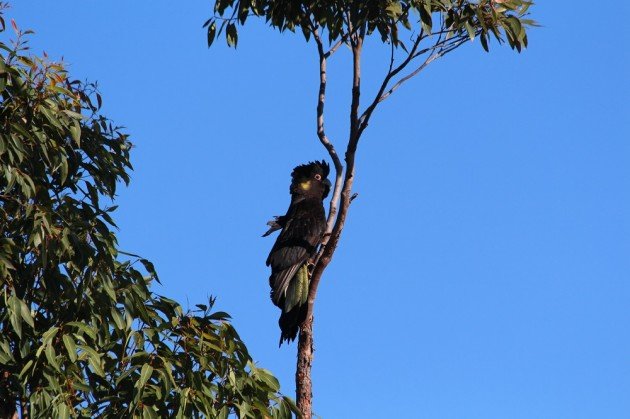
[318, 177]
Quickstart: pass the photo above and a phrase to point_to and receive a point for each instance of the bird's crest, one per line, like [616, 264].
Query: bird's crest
[307, 170]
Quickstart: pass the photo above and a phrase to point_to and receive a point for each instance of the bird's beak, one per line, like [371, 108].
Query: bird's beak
[327, 183]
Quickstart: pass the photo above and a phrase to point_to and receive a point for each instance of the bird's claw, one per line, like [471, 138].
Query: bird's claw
[310, 266]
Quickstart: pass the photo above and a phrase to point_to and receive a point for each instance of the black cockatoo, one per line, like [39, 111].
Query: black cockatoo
[303, 227]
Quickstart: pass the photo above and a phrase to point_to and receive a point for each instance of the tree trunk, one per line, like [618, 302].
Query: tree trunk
[303, 383]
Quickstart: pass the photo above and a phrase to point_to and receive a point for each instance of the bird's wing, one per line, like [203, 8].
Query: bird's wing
[291, 246]
[279, 283]
[276, 224]
[305, 225]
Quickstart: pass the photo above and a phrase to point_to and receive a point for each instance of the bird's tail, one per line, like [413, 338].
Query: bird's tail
[290, 293]
[280, 282]
[290, 322]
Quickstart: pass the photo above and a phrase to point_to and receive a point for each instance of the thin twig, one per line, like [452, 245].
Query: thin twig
[335, 47]
[229, 19]
[443, 46]
[390, 74]
[442, 51]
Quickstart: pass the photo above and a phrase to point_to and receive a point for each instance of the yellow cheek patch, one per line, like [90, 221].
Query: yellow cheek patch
[306, 185]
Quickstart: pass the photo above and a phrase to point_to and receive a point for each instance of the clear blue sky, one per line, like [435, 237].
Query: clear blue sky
[485, 268]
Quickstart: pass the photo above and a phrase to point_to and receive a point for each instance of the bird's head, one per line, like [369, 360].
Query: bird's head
[311, 180]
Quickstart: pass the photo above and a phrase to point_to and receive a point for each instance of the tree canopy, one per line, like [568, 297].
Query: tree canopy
[82, 333]
[390, 19]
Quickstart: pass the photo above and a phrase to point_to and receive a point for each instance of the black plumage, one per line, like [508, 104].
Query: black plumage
[303, 227]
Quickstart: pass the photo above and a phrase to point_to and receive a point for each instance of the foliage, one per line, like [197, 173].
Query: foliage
[81, 333]
[389, 18]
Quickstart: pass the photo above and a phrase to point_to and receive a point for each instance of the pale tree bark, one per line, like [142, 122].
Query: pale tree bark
[342, 195]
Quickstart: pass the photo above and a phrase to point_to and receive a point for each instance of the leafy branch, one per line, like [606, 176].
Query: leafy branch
[82, 334]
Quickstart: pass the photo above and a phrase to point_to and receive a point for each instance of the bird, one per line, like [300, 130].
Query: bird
[302, 229]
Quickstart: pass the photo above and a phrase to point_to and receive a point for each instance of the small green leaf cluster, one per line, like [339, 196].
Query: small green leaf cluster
[388, 18]
[81, 333]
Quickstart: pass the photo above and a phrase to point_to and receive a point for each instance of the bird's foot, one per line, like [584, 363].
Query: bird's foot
[310, 266]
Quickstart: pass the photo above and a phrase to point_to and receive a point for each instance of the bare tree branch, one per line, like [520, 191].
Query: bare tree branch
[390, 74]
[346, 198]
[335, 47]
[439, 49]
[413, 54]
[441, 52]
[342, 195]
[323, 138]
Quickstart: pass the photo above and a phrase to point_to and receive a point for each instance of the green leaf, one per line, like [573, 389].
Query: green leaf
[14, 315]
[212, 32]
[393, 9]
[515, 26]
[118, 319]
[219, 315]
[425, 17]
[73, 115]
[6, 262]
[71, 347]
[231, 35]
[145, 374]
[49, 334]
[51, 356]
[63, 174]
[6, 355]
[266, 376]
[126, 374]
[484, 41]
[80, 385]
[63, 411]
[94, 359]
[149, 267]
[83, 328]
[25, 312]
[25, 368]
[470, 30]
[148, 412]
[51, 118]
[75, 131]
[224, 413]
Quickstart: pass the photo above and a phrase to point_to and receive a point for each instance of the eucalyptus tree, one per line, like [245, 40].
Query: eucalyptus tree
[82, 334]
[416, 32]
